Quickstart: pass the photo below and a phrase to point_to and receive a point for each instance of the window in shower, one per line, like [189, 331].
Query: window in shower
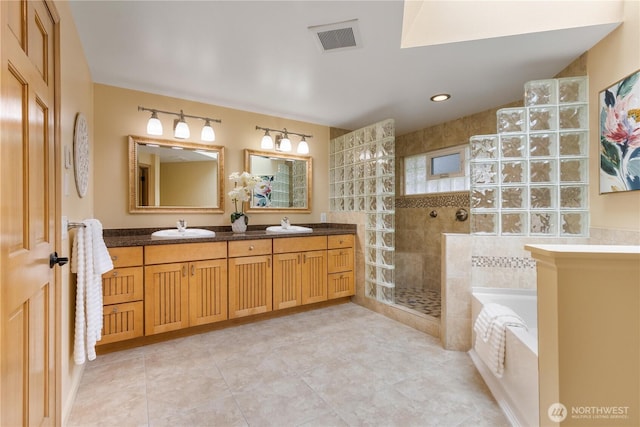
[437, 171]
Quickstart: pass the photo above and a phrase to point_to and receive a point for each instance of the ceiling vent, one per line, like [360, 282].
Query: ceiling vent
[339, 36]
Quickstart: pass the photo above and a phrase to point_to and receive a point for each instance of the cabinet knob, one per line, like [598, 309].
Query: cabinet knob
[114, 257]
[115, 273]
[115, 310]
[251, 247]
[341, 241]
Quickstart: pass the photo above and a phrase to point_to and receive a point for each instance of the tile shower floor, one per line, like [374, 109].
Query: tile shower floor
[425, 301]
[342, 365]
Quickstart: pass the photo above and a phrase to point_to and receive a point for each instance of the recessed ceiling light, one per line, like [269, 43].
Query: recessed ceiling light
[440, 97]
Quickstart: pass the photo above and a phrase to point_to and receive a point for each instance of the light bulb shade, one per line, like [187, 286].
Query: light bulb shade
[207, 133]
[285, 144]
[303, 147]
[267, 142]
[154, 126]
[182, 130]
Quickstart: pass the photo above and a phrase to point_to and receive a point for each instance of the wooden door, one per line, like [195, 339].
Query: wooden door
[29, 157]
[314, 276]
[250, 285]
[166, 297]
[207, 291]
[286, 280]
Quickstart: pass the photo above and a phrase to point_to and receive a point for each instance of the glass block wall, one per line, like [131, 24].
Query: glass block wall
[280, 187]
[531, 178]
[299, 183]
[362, 179]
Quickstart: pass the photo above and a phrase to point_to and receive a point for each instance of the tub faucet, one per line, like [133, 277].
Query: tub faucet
[284, 222]
[181, 224]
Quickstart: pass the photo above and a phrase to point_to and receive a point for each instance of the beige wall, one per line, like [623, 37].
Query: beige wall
[117, 116]
[76, 97]
[612, 59]
[201, 174]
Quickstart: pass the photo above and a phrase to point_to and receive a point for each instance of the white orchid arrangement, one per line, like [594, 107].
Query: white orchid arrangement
[243, 185]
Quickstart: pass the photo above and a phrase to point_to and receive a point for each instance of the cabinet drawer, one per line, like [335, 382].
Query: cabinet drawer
[249, 247]
[340, 260]
[126, 257]
[122, 322]
[299, 244]
[341, 285]
[180, 252]
[122, 285]
[340, 241]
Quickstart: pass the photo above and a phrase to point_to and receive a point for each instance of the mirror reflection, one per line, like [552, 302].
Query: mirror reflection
[286, 181]
[172, 176]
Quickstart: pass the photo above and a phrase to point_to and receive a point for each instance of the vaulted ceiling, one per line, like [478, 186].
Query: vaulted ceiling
[261, 56]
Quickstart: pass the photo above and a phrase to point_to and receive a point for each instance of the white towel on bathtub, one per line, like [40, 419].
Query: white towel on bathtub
[491, 330]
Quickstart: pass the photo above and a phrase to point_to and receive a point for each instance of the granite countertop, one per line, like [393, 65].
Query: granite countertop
[121, 237]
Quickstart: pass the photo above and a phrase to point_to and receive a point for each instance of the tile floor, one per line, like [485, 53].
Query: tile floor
[342, 365]
[426, 301]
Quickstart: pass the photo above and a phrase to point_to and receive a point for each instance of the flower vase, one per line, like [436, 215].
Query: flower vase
[239, 222]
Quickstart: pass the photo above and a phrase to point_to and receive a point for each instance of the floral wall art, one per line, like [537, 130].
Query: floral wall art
[620, 136]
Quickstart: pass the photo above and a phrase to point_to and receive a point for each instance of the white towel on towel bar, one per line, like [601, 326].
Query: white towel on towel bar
[491, 330]
[89, 260]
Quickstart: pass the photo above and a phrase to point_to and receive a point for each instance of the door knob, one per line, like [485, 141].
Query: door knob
[55, 259]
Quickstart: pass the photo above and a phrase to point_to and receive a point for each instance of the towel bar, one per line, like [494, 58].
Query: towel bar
[71, 225]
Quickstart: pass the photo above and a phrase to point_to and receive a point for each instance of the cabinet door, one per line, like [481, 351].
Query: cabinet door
[166, 297]
[122, 285]
[207, 291]
[341, 285]
[314, 276]
[340, 260]
[286, 280]
[122, 322]
[250, 282]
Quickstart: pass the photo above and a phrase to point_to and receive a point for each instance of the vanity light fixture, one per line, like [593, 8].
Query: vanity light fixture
[154, 125]
[283, 143]
[207, 133]
[440, 97]
[303, 147]
[267, 142]
[180, 126]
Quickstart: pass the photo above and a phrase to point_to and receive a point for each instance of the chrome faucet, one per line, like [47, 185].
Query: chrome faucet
[284, 222]
[182, 225]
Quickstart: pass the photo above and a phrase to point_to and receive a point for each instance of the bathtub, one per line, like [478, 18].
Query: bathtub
[517, 390]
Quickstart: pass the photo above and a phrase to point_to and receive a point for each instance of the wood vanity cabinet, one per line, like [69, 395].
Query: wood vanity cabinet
[122, 293]
[340, 265]
[250, 277]
[184, 285]
[299, 271]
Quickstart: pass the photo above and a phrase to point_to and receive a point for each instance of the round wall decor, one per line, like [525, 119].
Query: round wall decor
[81, 154]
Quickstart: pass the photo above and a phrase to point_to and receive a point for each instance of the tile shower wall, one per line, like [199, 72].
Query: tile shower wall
[362, 179]
[530, 179]
[418, 236]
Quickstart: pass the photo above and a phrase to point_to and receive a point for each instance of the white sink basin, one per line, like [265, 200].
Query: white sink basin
[291, 229]
[189, 233]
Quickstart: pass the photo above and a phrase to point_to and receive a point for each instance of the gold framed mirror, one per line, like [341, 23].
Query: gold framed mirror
[286, 181]
[174, 176]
